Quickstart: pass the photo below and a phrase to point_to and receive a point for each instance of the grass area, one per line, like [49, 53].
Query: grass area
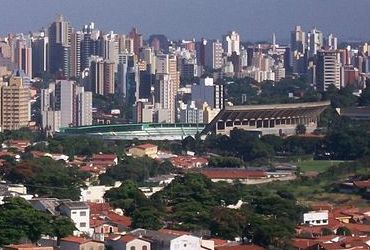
[318, 166]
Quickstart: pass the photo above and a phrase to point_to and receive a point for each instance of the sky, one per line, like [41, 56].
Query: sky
[255, 20]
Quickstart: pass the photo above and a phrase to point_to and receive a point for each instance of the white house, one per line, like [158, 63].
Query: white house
[79, 212]
[96, 193]
[13, 190]
[316, 218]
[186, 242]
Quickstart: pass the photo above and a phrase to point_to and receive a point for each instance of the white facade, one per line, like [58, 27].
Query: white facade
[79, 213]
[64, 104]
[186, 242]
[232, 43]
[95, 193]
[316, 218]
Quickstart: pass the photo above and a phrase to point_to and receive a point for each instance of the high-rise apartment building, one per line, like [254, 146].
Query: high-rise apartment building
[65, 104]
[298, 40]
[328, 69]
[213, 54]
[231, 43]
[315, 42]
[101, 76]
[137, 40]
[75, 60]
[23, 56]
[208, 92]
[15, 104]
[59, 46]
[40, 58]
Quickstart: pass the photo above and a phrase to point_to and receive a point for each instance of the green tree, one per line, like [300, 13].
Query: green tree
[146, 217]
[127, 197]
[47, 178]
[300, 129]
[18, 220]
[344, 231]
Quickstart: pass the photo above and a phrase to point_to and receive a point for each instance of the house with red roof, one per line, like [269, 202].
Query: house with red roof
[127, 242]
[234, 174]
[149, 150]
[79, 243]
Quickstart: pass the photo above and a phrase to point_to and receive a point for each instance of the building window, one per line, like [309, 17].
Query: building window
[82, 224]
[74, 212]
[132, 248]
[83, 213]
[145, 248]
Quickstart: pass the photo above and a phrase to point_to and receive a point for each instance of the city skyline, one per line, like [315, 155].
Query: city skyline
[188, 19]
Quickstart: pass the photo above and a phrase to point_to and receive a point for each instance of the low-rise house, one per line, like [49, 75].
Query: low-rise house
[19, 145]
[128, 242]
[142, 150]
[234, 174]
[189, 162]
[104, 221]
[316, 218]
[172, 240]
[13, 190]
[96, 193]
[78, 243]
[104, 159]
[26, 247]
[77, 211]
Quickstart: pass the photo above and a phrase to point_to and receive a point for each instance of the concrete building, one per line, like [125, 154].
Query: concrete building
[101, 76]
[23, 56]
[128, 242]
[59, 46]
[15, 107]
[77, 243]
[231, 43]
[328, 69]
[165, 98]
[40, 56]
[78, 212]
[208, 92]
[142, 150]
[75, 60]
[65, 104]
[315, 42]
[278, 119]
[213, 54]
[316, 218]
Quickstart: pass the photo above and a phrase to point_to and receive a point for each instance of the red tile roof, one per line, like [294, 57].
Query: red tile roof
[119, 219]
[104, 157]
[362, 184]
[358, 228]
[304, 243]
[99, 208]
[74, 239]
[233, 174]
[127, 238]
[240, 247]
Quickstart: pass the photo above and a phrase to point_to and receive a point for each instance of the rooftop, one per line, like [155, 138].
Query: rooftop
[233, 173]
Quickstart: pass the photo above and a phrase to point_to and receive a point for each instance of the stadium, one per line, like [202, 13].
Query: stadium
[278, 119]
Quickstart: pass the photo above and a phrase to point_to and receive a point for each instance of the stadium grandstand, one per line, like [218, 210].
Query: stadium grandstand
[278, 119]
[150, 131]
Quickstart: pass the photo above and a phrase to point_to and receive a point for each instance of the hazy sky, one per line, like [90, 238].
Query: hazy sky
[253, 19]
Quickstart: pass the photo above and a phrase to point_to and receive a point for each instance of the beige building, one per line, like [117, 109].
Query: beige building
[149, 150]
[77, 243]
[15, 104]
